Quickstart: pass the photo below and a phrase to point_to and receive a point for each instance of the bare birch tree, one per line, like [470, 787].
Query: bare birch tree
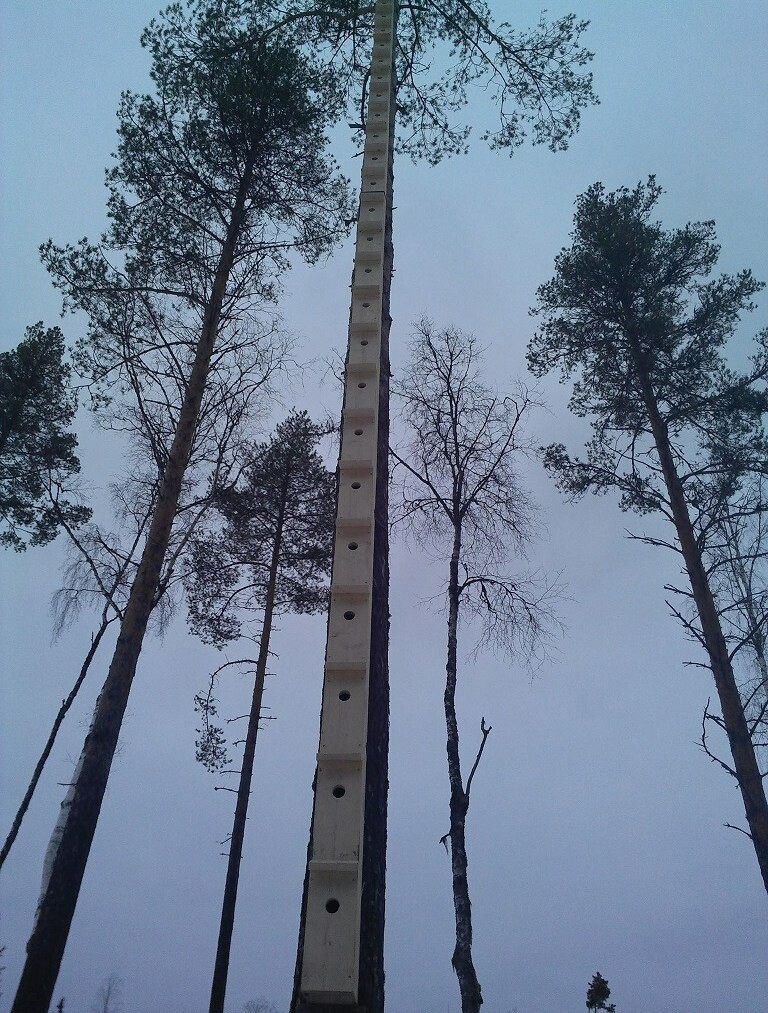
[259, 1006]
[460, 491]
[109, 998]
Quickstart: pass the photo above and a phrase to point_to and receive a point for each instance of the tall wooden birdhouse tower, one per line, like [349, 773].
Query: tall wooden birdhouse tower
[341, 948]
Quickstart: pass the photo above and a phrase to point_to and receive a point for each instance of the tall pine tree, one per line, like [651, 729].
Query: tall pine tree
[635, 315]
[218, 173]
[272, 555]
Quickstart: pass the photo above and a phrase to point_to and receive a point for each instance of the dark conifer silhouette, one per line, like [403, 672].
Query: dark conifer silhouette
[271, 556]
[633, 312]
[205, 199]
[38, 463]
[598, 994]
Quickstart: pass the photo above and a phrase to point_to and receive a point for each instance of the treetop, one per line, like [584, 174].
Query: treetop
[446, 50]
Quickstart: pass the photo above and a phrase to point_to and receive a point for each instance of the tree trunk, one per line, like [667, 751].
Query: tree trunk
[372, 901]
[374, 862]
[221, 967]
[45, 948]
[471, 997]
[744, 581]
[734, 720]
[65, 705]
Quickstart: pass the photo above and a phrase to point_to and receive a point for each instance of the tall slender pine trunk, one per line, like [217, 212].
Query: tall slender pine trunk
[45, 947]
[734, 720]
[226, 925]
[463, 965]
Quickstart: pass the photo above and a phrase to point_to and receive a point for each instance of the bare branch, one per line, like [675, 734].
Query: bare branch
[730, 826]
[485, 731]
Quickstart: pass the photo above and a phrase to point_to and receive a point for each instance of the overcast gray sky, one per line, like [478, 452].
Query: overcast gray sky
[595, 835]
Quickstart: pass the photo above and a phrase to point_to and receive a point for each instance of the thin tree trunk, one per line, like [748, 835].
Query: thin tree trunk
[221, 967]
[734, 720]
[756, 638]
[471, 996]
[65, 706]
[45, 948]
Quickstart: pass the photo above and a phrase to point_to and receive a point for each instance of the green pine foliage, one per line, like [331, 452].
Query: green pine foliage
[636, 317]
[629, 291]
[284, 477]
[226, 157]
[38, 463]
[285, 502]
[598, 994]
[447, 51]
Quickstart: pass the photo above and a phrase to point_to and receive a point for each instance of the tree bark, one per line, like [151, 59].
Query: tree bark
[469, 986]
[734, 720]
[372, 901]
[374, 862]
[45, 948]
[65, 706]
[756, 638]
[221, 967]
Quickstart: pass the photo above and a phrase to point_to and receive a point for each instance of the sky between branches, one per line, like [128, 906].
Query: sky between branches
[596, 837]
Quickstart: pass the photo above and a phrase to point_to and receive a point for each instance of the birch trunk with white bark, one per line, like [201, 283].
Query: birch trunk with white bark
[463, 965]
